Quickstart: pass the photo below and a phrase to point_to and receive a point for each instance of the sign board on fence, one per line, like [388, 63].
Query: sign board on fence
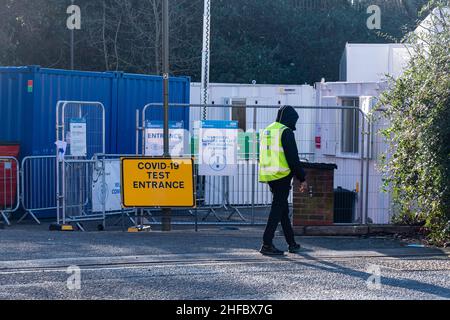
[107, 190]
[157, 182]
[78, 146]
[154, 138]
[217, 147]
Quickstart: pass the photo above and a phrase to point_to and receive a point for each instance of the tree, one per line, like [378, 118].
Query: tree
[30, 30]
[283, 41]
[126, 35]
[293, 41]
[417, 165]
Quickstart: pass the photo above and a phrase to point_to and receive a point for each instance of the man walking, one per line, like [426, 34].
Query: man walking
[279, 163]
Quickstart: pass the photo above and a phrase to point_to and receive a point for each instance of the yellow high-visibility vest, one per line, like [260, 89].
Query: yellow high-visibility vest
[272, 162]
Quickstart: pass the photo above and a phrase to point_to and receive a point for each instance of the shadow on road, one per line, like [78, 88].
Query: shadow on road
[408, 284]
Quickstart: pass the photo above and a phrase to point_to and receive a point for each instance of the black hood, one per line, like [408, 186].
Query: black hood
[288, 116]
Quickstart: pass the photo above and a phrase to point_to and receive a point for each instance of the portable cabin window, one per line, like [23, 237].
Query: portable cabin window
[350, 126]
[239, 113]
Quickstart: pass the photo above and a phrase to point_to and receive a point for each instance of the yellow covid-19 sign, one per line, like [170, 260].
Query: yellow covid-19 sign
[157, 182]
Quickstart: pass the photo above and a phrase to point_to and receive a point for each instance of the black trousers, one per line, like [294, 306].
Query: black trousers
[279, 211]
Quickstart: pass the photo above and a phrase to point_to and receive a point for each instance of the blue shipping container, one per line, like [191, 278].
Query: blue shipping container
[134, 93]
[28, 97]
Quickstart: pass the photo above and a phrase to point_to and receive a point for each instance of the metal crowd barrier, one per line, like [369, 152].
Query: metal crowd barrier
[75, 168]
[241, 191]
[9, 187]
[91, 191]
[79, 188]
[38, 186]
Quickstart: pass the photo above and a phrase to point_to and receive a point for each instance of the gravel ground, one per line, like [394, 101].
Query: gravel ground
[214, 264]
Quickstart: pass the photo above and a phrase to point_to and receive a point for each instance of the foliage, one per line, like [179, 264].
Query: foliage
[283, 41]
[417, 166]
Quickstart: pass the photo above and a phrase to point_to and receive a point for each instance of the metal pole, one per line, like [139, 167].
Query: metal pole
[362, 186]
[254, 164]
[72, 46]
[166, 219]
[138, 130]
[369, 145]
[206, 56]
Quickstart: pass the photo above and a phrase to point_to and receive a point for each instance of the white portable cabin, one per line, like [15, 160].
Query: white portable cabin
[371, 62]
[363, 71]
[328, 124]
[337, 130]
[253, 97]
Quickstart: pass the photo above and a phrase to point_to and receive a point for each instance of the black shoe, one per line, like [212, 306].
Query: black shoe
[271, 251]
[295, 248]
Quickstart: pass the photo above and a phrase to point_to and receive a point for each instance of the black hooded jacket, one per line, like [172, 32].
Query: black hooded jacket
[289, 117]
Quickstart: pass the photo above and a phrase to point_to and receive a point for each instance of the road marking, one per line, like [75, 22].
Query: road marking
[236, 255]
[201, 261]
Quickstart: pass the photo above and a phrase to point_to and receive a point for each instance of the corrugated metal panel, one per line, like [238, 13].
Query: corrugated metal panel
[134, 92]
[15, 103]
[29, 117]
[50, 86]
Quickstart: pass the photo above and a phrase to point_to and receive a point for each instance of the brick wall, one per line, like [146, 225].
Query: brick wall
[315, 207]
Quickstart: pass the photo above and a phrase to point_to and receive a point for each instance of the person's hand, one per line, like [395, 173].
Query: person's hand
[304, 187]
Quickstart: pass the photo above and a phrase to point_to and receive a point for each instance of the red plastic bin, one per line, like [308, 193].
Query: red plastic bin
[8, 175]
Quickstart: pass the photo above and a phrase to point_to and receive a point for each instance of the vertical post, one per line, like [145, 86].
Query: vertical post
[205, 56]
[362, 186]
[138, 131]
[143, 123]
[166, 219]
[58, 199]
[255, 162]
[72, 46]
[103, 170]
[369, 146]
[63, 169]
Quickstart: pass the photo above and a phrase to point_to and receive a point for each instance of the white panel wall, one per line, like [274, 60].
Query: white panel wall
[348, 175]
[264, 94]
[260, 95]
[371, 62]
[349, 168]
[243, 182]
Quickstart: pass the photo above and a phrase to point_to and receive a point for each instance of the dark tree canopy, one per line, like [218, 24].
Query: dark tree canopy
[283, 41]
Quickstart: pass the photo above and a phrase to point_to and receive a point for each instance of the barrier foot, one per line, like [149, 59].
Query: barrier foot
[137, 229]
[236, 211]
[131, 219]
[5, 218]
[80, 226]
[32, 215]
[211, 211]
[61, 227]
[122, 219]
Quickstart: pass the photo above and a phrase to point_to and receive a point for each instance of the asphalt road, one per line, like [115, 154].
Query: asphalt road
[214, 264]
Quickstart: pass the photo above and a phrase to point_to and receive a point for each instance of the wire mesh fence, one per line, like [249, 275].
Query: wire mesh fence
[80, 132]
[334, 135]
[38, 186]
[86, 181]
